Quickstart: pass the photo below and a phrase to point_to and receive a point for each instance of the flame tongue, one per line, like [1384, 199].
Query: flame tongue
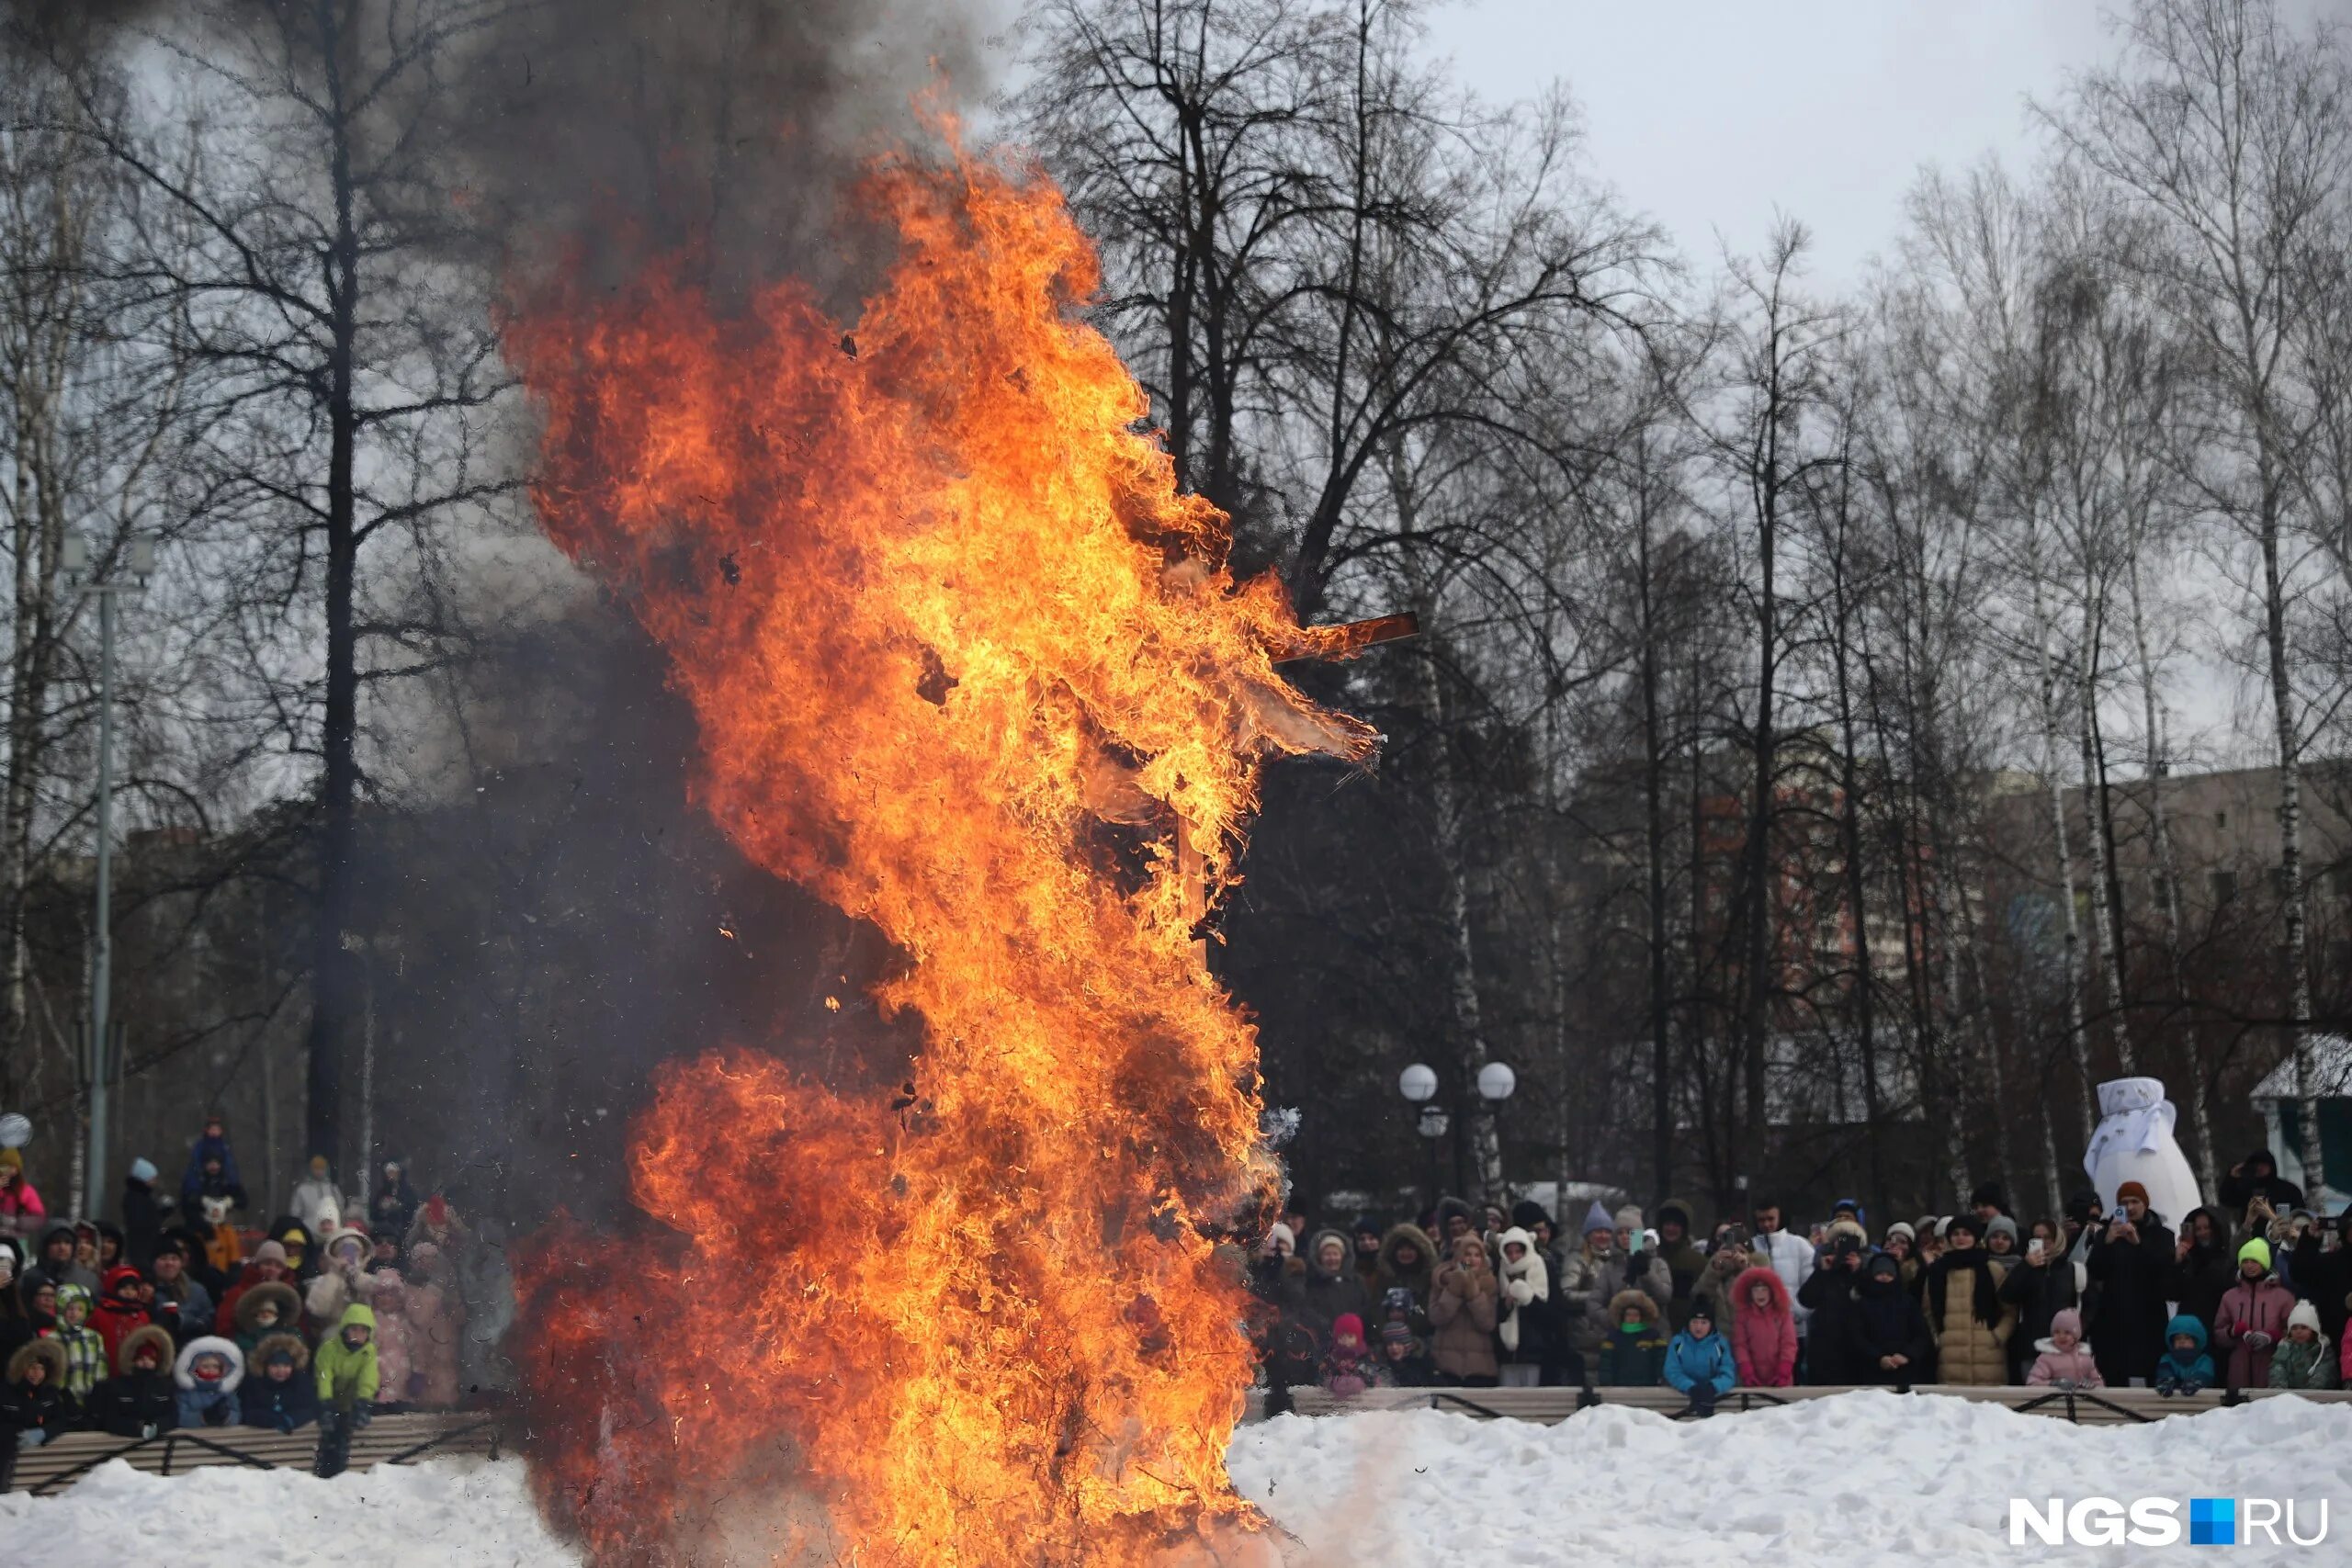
[942, 614]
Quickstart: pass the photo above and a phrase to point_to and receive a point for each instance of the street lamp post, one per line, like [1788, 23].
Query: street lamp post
[126, 570]
[1417, 1084]
[1496, 1081]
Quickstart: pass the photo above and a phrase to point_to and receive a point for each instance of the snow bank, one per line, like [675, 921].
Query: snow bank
[1865, 1478]
[1869, 1478]
[452, 1513]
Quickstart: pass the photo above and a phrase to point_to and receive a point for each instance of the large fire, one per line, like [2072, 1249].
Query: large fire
[968, 666]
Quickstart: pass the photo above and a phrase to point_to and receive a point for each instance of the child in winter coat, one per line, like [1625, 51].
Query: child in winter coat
[34, 1406]
[86, 1352]
[1348, 1366]
[436, 1324]
[2184, 1368]
[2252, 1318]
[279, 1398]
[1403, 1357]
[1699, 1363]
[207, 1373]
[271, 1307]
[1632, 1353]
[348, 1372]
[1763, 1330]
[2302, 1360]
[139, 1400]
[2065, 1361]
[121, 1307]
[395, 1368]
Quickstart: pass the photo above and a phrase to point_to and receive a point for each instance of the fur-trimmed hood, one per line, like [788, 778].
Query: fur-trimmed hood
[1624, 1298]
[288, 1300]
[50, 1350]
[183, 1370]
[1407, 1234]
[154, 1334]
[1770, 1280]
[272, 1344]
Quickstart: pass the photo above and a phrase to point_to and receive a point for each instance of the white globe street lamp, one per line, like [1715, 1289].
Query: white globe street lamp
[1496, 1081]
[1418, 1083]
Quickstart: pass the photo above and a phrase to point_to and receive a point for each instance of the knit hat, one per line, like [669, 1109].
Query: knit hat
[1596, 1219]
[1281, 1233]
[1397, 1298]
[272, 1251]
[2257, 1249]
[1701, 1312]
[2068, 1319]
[1903, 1228]
[1527, 1213]
[142, 1169]
[2132, 1189]
[10, 1160]
[1968, 1223]
[1629, 1218]
[1396, 1334]
[2305, 1315]
[2001, 1224]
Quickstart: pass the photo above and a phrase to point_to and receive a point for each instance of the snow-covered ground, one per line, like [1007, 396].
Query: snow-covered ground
[1868, 1478]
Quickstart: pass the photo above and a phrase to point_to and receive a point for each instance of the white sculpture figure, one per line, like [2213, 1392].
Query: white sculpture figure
[2134, 1143]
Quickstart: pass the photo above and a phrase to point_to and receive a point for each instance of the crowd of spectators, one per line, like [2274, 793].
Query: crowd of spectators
[2250, 1292]
[185, 1315]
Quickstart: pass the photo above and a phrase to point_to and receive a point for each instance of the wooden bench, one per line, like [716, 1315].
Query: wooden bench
[387, 1439]
[1549, 1406]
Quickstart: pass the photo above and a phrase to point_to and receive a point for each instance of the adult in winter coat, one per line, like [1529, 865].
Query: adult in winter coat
[1528, 1327]
[437, 1319]
[1698, 1362]
[1314, 1303]
[1763, 1329]
[139, 1400]
[57, 1262]
[208, 1372]
[1466, 1308]
[120, 1308]
[1633, 1353]
[1831, 1293]
[317, 1202]
[2323, 1275]
[276, 1395]
[2064, 1360]
[2205, 1265]
[395, 1367]
[1602, 1269]
[1409, 1261]
[342, 1280]
[1728, 1259]
[1971, 1323]
[1684, 1261]
[2041, 1284]
[179, 1302]
[34, 1406]
[212, 1169]
[2304, 1359]
[1890, 1342]
[2251, 1319]
[1791, 1256]
[144, 1213]
[2129, 1266]
[393, 1208]
[269, 1266]
[2256, 1176]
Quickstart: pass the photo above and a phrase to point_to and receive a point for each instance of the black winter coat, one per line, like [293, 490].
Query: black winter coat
[142, 1222]
[135, 1404]
[48, 1409]
[2039, 1294]
[2134, 1280]
[279, 1406]
[2200, 1280]
[1888, 1322]
[2237, 1191]
[1835, 1356]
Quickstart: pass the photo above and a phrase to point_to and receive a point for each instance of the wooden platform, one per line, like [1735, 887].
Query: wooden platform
[1549, 1406]
[387, 1439]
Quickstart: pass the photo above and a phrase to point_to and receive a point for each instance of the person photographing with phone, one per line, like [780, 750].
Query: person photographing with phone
[2131, 1264]
[2044, 1283]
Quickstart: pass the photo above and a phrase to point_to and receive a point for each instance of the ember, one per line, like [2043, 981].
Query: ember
[963, 659]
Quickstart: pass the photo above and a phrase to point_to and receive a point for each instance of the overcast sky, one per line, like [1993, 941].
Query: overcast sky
[1708, 113]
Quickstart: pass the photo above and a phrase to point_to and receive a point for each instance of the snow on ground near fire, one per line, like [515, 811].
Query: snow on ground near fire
[1866, 1478]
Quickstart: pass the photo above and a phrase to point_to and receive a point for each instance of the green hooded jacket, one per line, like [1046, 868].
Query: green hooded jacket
[349, 1377]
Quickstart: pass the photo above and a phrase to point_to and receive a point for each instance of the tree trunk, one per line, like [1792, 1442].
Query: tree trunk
[2105, 917]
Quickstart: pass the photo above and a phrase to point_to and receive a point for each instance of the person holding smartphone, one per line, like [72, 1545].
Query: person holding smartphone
[2044, 1283]
[2131, 1265]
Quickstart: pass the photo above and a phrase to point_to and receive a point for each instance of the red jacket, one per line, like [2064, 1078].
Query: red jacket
[1763, 1341]
[2263, 1306]
[113, 1320]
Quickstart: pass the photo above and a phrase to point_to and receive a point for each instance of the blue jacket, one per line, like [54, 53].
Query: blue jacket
[279, 1406]
[1691, 1361]
[2196, 1367]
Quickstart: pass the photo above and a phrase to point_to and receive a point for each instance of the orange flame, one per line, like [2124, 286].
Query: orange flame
[962, 656]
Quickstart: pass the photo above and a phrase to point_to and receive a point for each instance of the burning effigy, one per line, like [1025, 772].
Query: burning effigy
[969, 666]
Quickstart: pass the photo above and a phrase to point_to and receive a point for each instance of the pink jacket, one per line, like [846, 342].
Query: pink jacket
[2262, 1306]
[21, 1210]
[2074, 1366]
[1763, 1343]
[2344, 1358]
